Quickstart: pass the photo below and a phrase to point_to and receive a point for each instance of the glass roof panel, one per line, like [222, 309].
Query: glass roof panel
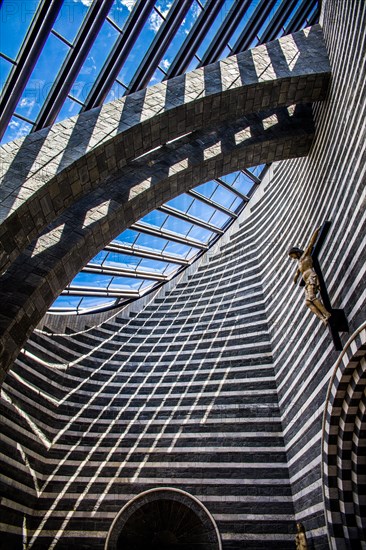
[17, 128]
[70, 17]
[155, 218]
[181, 203]
[150, 242]
[200, 234]
[224, 197]
[127, 237]
[201, 210]
[5, 68]
[94, 61]
[116, 259]
[99, 258]
[179, 249]
[219, 219]
[92, 280]
[66, 302]
[69, 109]
[126, 283]
[207, 189]
[156, 266]
[42, 77]
[95, 302]
[239, 181]
[215, 27]
[15, 18]
[176, 225]
[120, 11]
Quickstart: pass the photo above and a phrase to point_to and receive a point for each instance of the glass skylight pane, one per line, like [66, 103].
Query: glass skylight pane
[156, 77]
[150, 242]
[223, 196]
[239, 181]
[236, 204]
[177, 249]
[69, 108]
[206, 189]
[181, 203]
[125, 283]
[140, 47]
[17, 128]
[5, 68]
[249, 12]
[219, 219]
[176, 225]
[200, 234]
[170, 269]
[201, 210]
[188, 22]
[257, 170]
[116, 92]
[99, 258]
[94, 62]
[91, 280]
[125, 261]
[215, 27]
[120, 11]
[66, 302]
[70, 18]
[42, 77]
[15, 18]
[151, 265]
[94, 302]
[154, 218]
[127, 237]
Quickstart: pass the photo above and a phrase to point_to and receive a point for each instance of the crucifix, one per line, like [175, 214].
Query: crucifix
[312, 279]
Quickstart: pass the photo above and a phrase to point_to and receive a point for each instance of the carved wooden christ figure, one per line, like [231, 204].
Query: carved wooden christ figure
[306, 269]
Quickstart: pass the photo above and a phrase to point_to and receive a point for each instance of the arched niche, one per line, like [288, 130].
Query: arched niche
[163, 519]
[344, 447]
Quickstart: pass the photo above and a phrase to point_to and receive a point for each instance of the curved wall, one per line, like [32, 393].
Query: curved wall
[218, 387]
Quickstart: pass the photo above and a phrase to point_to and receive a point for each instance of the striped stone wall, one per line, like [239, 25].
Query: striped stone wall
[183, 395]
[328, 185]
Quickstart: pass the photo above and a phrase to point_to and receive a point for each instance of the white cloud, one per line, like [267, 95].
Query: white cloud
[155, 21]
[165, 64]
[129, 4]
[27, 102]
[164, 8]
[86, 3]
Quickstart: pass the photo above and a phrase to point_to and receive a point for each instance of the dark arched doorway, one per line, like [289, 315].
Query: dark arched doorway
[163, 519]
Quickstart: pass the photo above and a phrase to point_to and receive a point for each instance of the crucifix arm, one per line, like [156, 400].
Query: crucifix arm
[309, 248]
[296, 276]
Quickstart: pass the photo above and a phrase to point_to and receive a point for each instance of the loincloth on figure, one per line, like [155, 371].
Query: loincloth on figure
[312, 287]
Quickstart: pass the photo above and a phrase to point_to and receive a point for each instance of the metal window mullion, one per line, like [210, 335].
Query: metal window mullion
[190, 219]
[165, 235]
[228, 27]
[97, 292]
[74, 60]
[232, 189]
[210, 202]
[29, 53]
[194, 38]
[145, 254]
[119, 54]
[123, 272]
[279, 19]
[253, 26]
[159, 45]
[300, 15]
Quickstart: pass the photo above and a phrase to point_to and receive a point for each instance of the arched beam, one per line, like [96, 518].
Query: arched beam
[46, 172]
[39, 275]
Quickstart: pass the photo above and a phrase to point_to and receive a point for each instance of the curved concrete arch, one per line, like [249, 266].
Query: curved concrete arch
[39, 275]
[46, 172]
[169, 493]
[342, 447]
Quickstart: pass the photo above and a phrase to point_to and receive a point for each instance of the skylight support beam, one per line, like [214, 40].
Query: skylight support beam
[254, 25]
[124, 272]
[187, 218]
[229, 25]
[208, 201]
[305, 8]
[98, 292]
[194, 39]
[155, 232]
[159, 45]
[150, 255]
[30, 51]
[278, 21]
[75, 58]
[119, 54]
